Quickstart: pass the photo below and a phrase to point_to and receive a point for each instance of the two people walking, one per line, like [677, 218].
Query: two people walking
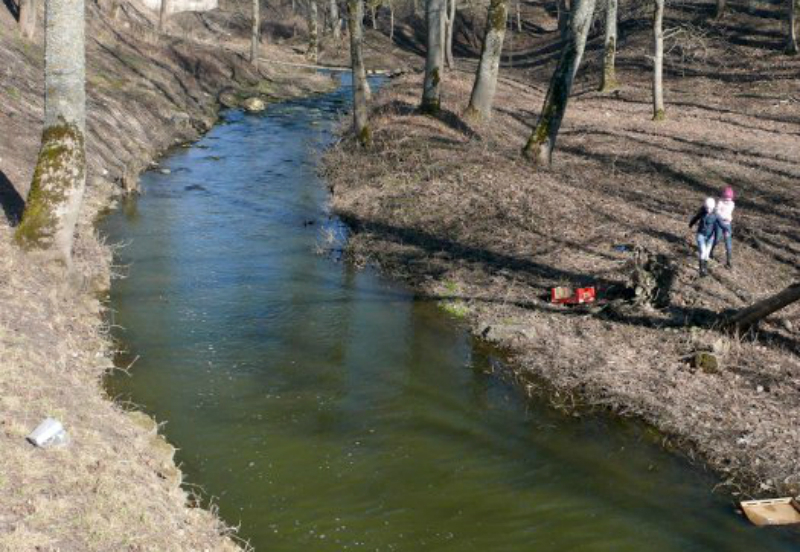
[714, 223]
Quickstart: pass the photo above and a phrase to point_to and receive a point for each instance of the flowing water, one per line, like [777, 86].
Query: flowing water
[326, 409]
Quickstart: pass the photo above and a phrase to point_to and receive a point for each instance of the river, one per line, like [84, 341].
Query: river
[325, 408]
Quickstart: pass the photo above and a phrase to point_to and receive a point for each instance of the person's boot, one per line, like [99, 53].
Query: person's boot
[729, 263]
[703, 269]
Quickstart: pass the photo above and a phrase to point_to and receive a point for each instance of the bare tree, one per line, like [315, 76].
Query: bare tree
[449, 23]
[745, 318]
[434, 59]
[313, 32]
[336, 26]
[373, 8]
[791, 44]
[609, 82]
[27, 18]
[542, 141]
[56, 192]
[659, 114]
[721, 6]
[518, 10]
[480, 102]
[255, 36]
[163, 11]
[355, 15]
[391, 21]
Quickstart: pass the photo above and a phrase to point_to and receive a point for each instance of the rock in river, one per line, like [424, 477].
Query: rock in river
[254, 105]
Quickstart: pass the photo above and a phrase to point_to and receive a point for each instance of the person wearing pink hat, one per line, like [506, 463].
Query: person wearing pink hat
[724, 212]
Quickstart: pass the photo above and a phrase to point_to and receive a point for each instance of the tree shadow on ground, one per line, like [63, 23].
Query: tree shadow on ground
[12, 203]
[538, 276]
[13, 8]
[449, 118]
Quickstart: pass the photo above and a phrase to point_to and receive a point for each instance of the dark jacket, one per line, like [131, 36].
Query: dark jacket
[708, 225]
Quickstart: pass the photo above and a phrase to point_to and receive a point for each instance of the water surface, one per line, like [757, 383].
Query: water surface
[326, 409]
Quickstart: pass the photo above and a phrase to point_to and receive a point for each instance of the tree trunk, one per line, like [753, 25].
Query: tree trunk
[791, 45]
[519, 17]
[658, 61]
[336, 27]
[609, 79]
[434, 58]
[255, 38]
[745, 318]
[355, 14]
[313, 32]
[449, 23]
[480, 102]
[27, 18]
[162, 15]
[54, 201]
[563, 19]
[721, 5]
[542, 141]
[391, 21]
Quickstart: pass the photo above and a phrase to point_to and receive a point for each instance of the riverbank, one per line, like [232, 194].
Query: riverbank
[454, 209]
[115, 486]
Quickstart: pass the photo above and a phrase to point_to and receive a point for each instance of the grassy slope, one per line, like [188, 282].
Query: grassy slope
[455, 210]
[116, 486]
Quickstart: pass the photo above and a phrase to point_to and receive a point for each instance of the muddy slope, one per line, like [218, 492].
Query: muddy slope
[455, 210]
[115, 487]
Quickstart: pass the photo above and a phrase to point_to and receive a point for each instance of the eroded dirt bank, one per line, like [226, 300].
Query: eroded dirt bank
[115, 487]
[454, 209]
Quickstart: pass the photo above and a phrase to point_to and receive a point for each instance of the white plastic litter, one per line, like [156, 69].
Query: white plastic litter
[49, 433]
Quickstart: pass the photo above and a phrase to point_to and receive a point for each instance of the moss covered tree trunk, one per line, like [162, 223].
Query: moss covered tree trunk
[27, 18]
[658, 61]
[54, 200]
[355, 16]
[448, 34]
[255, 35]
[336, 25]
[791, 42]
[312, 54]
[609, 78]
[542, 141]
[480, 101]
[434, 58]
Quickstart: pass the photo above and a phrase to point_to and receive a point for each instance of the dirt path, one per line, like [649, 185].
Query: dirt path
[456, 211]
[115, 487]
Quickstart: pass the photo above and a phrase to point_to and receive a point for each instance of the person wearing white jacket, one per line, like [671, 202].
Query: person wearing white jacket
[724, 212]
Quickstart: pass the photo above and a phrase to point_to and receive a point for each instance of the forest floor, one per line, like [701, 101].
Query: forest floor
[115, 486]
[456, 211]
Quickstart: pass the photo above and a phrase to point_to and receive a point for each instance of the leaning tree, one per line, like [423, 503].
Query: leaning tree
[542, 142]
[59, 179]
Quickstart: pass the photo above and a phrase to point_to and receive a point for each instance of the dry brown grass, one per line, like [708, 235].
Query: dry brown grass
[115, 487]
[455, 210]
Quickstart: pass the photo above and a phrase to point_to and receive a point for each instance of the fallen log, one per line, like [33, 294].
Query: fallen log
[744, 319]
